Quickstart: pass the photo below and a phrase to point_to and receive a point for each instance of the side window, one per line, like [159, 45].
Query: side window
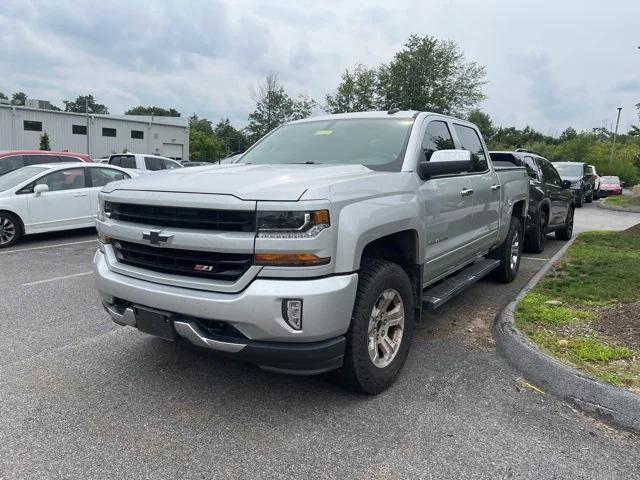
[168, 164]
[39, 159]
[437, 137]
[9, 164]
[550, 174]
[154, 164]
[65, 159]
[101, 176]
[532, 168]
[69, 179]
[124, 161]
[470, 141]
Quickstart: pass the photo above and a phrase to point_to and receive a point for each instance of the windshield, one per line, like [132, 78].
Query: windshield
[16, 177]
[615, 180]
[569, 169]
[377, 143]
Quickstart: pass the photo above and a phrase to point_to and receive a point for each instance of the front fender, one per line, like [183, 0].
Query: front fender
[362, 222]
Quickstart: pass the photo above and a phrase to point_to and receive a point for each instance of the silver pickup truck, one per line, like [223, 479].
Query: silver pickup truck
[319, 249]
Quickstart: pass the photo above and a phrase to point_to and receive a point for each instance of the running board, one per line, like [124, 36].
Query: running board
[435, 296]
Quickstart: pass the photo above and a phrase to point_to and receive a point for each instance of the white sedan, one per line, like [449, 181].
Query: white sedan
[52, 197]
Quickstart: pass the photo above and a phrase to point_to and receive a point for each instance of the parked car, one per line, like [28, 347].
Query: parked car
[610, 185]
[596, 182]
[197, 164]
[141, 161]
[319, 249]
[551, 203]
[581, 178]
[11, 160]
[52, 197]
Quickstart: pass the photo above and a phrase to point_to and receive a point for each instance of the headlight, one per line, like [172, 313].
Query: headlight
[104, 210]
[272, 224]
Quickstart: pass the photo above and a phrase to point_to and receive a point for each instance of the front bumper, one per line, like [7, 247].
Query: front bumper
[255, 312]
[609, 193]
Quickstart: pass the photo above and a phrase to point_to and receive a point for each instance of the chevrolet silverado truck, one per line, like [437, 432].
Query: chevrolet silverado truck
[320, 248]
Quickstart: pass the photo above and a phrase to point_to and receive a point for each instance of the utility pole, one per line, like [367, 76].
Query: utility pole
[615, 134]
[86, 112]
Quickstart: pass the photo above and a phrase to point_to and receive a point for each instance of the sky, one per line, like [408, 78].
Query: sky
[550, 64]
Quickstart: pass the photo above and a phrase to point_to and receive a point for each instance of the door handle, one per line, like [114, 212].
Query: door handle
[80, 194]
[495, 188]
[466, 192]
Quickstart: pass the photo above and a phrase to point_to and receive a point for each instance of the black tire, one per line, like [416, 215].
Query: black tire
[535, 240]
[10, 229]
[590, 198]
[580, 200]
[359, 371]
[507, 271]
[596, 196]
[566, 232]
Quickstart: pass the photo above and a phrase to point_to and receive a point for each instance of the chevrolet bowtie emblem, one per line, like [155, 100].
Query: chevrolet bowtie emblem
[155, 237]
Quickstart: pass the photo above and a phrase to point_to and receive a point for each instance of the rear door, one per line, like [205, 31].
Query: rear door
[446, 209]
[66, 205]
[486, 191]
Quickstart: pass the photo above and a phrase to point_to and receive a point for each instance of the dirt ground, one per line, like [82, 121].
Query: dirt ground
[621, 323]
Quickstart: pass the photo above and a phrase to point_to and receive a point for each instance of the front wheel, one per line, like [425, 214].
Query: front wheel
[580, 199]
[10, 230]
[566, 232]
[509, 254]
[381, 327]
[590, 198]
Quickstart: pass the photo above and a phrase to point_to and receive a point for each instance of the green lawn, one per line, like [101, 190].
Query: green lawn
[624, 202]
[601, 270]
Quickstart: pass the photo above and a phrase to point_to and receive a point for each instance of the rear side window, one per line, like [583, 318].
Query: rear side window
[550, 174]
[38, 159]
[101, 176]
[154, 163]
[124, 161]
[470, 141]
[9, 164]
[532, 168]
[437, 137]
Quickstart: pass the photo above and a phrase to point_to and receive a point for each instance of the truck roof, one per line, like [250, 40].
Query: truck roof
[372, 114]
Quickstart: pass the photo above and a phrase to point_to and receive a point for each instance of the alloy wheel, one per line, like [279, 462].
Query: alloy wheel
[386, 327]
[7, 230]
[515, 250]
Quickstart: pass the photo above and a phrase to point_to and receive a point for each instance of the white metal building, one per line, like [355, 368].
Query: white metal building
[98, 135]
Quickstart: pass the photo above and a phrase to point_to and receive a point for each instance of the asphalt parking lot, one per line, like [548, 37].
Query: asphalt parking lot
[81, 398]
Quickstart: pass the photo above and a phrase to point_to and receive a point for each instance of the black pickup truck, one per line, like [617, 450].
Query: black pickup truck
[551, 203]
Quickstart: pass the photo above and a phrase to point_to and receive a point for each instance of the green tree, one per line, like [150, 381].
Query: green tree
[18, 98]
[156, 111]
[44, 142]
[3, 96]
[432, 75]
[356, 92]
[274, 107]
[200, 124]
[483, 122]
[205, 147]
[78, 105]
[568, 134]
[233, 139]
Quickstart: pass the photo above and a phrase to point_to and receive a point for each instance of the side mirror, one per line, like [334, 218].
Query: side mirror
[445, 162]
[40, 188]
[566, 184]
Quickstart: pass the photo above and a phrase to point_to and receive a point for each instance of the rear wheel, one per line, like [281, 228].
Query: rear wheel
[10, 229]
[381, 327]
[566, 232]
[509, 254]
[535, 241]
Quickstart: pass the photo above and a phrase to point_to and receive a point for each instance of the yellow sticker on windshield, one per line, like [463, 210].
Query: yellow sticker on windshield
[324, 132]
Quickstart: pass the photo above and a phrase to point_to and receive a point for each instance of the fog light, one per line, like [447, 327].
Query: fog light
[292, 312]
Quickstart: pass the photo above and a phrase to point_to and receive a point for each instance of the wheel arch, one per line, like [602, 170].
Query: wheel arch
[20, 221]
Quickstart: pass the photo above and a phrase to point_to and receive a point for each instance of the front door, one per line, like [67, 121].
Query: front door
[447, 209]
[65, 205]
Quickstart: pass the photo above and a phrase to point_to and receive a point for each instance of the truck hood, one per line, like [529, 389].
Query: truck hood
[247, 182]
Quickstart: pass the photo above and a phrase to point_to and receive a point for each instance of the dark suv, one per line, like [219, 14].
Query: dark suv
[583, 183]
[551, 203]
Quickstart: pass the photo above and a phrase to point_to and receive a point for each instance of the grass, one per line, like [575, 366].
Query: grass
[600, 269]
[632, 203]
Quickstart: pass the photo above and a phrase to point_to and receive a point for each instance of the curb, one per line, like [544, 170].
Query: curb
[612, 404]
[604, 206]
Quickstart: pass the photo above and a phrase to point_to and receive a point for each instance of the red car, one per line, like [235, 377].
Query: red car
[13, 159]
[610, 186]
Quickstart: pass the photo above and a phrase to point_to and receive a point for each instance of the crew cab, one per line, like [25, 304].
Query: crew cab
[551, 203]
[318, 250]
[142, 161]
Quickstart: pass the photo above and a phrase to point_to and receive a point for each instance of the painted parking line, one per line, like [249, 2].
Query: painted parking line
[55, 279]
[48, 246]
[537, 258]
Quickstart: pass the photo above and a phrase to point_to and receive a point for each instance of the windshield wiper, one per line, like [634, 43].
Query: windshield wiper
[308, 162]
